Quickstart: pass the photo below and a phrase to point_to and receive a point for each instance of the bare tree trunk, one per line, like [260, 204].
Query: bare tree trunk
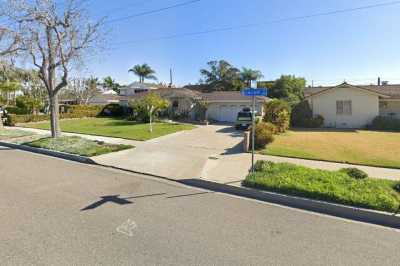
[54, 113]
[1, 120]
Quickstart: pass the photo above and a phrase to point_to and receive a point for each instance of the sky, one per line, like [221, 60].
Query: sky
[356, 47]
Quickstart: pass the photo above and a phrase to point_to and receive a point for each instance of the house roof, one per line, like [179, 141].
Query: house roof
[168, 93]
[138, 85]
[216, 96]
[387, 91]
[229, 96]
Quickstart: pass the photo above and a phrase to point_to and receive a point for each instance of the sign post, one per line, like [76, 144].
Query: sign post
[253, 91]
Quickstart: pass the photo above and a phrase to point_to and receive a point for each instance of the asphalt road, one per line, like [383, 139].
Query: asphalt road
[55, 212]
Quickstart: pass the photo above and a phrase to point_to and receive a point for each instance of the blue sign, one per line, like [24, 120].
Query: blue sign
[254, 92]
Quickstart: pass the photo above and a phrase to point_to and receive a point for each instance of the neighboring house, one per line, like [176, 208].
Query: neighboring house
[104, 99]
[224, 106]
[136, 88]
[183, 101]
[349, 106]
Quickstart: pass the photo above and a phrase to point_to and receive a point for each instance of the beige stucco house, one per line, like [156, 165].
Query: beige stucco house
[219, 106]
[224, 106]
[349, 106]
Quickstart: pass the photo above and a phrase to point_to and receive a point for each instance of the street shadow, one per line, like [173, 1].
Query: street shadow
[116, 199]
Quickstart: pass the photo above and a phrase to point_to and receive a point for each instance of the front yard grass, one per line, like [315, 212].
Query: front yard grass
[12, 134]
[331, 186]
[112, 127]
[374, 148]
[77, 145]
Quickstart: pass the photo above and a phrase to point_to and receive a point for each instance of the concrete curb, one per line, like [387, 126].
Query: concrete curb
[338, 210]
[61, 155]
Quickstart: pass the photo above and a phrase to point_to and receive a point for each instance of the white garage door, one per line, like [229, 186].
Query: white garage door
[228, 113]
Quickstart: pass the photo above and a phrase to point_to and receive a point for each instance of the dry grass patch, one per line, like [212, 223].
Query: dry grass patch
[358, 147]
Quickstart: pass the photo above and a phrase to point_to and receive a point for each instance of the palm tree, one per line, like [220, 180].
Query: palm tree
[247, 75]
[109, 83]
[143, 72]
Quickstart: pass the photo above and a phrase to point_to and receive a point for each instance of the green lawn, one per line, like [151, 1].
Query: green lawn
[332, 186]
[77, 145]
[358, 147]
[111, 127]
[11, 134]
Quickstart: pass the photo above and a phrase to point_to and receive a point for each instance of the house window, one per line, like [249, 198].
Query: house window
[343, 108]
[175, 104]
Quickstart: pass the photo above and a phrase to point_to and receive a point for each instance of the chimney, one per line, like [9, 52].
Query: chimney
[379, 81]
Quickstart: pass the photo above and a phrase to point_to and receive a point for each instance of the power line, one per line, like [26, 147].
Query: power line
[153, 11]
[251, 25]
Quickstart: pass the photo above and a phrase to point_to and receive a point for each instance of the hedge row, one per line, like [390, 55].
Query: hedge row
[385, 123]
[76, 111]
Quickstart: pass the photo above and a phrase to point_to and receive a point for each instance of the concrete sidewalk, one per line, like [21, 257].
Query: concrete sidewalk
[209, 152]
[234, 168]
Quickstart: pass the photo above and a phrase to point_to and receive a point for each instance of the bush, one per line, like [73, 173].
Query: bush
[17, 110]
[262, 165]
[112, 110]
[29, 104]
[355, 173]
[277, 112]
[74, 111]
[385, 123]
[264, 134]
[397, 187]
[302, 116]
[81, 111]
[13, 119]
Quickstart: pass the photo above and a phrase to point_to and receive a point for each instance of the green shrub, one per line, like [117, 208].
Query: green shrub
[264, 134]
[385, 123]
[112, 110]
[28, 103]
[282, 122]
[277, 112]
[262, 165]
[397, 187]
[355, 173]
[302, 116]
[81, 111]
[17, 110]
[13, 119]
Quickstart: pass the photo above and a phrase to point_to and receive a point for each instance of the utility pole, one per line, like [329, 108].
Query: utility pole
[253, 85]
[170, 78]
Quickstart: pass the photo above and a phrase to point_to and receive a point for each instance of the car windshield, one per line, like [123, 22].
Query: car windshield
[244, 114]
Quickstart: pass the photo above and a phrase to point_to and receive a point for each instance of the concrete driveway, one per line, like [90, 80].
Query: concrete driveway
[181, 155]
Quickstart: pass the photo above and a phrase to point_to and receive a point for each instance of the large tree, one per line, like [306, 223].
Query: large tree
[54, 35]
[289, 88]
[221, 75]
[82, 90]
[247, 75]
[111, 84]
[143, 72]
